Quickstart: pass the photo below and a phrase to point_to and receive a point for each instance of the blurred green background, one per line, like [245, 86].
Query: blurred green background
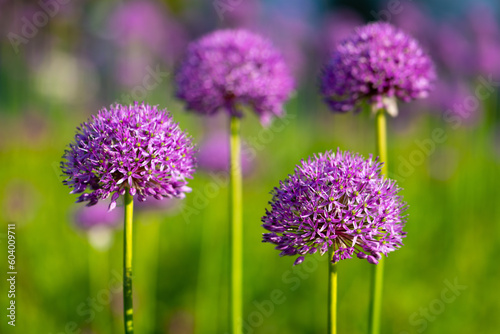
[444, 152]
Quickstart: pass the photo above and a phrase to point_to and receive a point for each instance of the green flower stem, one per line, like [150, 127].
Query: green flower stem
[381, 128]
[332, 295]
[128, 306]
[378, 270]
[236, 228]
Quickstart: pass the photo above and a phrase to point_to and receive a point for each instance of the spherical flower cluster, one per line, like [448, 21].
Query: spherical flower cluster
[338, 202]
[228, 68]
[377, 63]
[135, 148]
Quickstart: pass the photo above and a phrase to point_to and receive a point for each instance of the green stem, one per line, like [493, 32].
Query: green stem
[378, 270]
[236, 228]
[332, 295]
[128, 306]
[381, 134]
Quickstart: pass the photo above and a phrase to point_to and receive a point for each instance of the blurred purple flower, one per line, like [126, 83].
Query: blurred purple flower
[486, 36]
[135, 148]
[451, 99]
[488, 57]
[337, 201]
[377, 63]
[213, 154]
[97, 215]
[452, 48]
[228, 68]
[482, 20]
[148, 24]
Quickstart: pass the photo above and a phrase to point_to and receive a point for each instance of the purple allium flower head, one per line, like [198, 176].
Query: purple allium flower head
[231, 67]
[97, 216]
[337, 201]
[378, 62]
[136, 148]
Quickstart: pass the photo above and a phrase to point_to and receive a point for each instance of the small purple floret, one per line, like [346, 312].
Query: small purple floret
[228, 68]
[299, 260]
[336, 201]
[376, 62]
[135, 148]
